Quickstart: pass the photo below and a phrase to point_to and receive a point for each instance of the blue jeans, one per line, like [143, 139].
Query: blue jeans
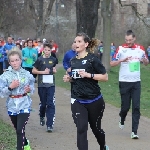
[47, 99]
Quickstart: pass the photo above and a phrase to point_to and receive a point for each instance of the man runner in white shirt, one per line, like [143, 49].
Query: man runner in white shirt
[129, 56]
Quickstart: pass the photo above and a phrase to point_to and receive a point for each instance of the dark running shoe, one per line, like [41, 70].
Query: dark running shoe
[42, 121]
[106, 147]
[49, 129]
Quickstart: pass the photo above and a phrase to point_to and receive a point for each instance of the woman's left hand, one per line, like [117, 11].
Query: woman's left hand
[84, 74]
[27, 89]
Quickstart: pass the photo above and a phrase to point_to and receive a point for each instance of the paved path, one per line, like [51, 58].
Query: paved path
[64, 135]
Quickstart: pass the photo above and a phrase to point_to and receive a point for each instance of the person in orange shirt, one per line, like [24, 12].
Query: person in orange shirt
[55, 46]
[35, 43]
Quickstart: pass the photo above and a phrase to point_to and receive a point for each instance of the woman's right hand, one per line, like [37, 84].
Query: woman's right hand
[14, 84]
[66, 78]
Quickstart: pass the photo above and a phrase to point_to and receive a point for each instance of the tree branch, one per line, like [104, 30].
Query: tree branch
[32, 8]
[139, 16]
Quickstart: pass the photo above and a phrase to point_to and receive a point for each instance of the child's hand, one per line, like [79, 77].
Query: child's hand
[14, 84]
[46, 71]
[54, 70]
[27, 89]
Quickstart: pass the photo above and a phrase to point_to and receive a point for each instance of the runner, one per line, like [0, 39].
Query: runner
[8, 46]
[15, 84]
[29, 56]
[1, 57]
[45, 68]
[87, 102]
[129, 56]
[67, 57]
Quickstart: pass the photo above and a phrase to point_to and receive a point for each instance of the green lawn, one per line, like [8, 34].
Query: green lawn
[110, 89]
[7, 137]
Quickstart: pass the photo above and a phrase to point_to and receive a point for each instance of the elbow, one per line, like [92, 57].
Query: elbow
[33, 71]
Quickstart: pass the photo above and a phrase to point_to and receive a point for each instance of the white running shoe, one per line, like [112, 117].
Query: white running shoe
[134, 136]
[121, 126]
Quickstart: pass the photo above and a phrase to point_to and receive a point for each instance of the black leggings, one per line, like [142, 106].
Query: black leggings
[92, 113]
[19, 121]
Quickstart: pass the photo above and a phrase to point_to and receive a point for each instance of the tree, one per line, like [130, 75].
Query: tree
[40, 16]
[87, 16]
[106, 14]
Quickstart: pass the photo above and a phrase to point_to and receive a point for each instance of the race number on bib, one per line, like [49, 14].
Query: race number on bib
[134, 66]
[75, 73]
[29, 61]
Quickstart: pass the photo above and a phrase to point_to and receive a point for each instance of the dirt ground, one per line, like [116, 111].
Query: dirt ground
[64, 134]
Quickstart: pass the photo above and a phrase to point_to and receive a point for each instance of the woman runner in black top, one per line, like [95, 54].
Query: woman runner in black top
[87, 103]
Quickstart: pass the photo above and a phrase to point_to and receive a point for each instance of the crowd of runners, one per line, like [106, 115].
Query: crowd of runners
[21, 61]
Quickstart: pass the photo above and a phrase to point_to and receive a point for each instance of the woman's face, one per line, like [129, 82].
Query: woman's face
[15, 61]
[25, 44]
[80, 45]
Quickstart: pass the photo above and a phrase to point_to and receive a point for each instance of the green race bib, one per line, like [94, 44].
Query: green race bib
[134, 66]
[0, 55]
[29, 61]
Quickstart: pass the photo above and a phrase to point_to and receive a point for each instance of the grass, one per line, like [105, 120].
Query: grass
[7, 137]
[110, 92]
[110, 89]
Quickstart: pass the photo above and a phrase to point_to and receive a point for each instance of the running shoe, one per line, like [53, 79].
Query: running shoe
[49, 129]
[27, 147]
[121, 124]
[134, 136]
[42, 121]
[106, 147]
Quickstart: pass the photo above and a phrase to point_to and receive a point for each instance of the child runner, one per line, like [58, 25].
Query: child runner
[87, 102]
[15, 84]
[45, 68]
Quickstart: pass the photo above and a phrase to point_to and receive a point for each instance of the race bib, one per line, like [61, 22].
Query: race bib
[0, 55]
[75, 73]
[29, 61]
[134, 66]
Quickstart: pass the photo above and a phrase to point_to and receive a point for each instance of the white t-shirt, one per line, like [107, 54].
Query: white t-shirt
[130, 71]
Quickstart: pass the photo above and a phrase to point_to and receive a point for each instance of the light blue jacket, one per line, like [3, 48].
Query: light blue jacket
[16, 105]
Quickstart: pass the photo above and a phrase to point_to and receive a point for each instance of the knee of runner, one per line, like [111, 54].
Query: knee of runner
[82, 129]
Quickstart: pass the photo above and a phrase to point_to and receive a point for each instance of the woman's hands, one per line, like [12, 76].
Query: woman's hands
[66, 78]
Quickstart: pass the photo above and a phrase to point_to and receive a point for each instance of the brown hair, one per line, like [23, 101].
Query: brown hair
[93, 43]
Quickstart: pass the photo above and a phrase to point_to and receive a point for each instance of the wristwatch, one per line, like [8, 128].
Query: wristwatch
[10, 89]
[92, 76]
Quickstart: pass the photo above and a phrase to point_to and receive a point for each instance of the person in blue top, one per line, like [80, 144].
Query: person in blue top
[7, 47]
[29, 56]
[148, 53]
[1, 57]
[112, 50]
[67, 57]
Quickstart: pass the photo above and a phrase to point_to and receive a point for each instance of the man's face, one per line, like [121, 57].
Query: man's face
[9, 39]
[129, 39]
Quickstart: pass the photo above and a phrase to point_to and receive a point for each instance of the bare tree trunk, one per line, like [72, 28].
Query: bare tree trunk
[106, 14]
[40, 19]
[87, 16]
